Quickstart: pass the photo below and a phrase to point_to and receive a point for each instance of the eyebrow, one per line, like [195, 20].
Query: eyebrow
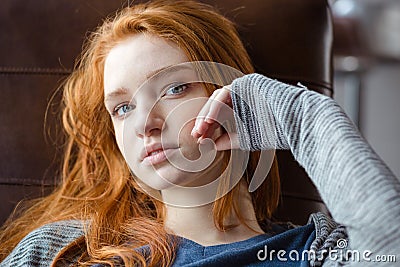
[171, 68]
[157, 74]
[116, 93]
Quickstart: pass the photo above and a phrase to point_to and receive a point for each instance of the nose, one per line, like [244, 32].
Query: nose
[149, 121]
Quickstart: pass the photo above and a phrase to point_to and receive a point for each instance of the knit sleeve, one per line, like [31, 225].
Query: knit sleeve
[358, 188]
[40, 246]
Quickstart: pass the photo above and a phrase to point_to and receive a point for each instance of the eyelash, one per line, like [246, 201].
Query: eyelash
[115, 111]
[185, 85]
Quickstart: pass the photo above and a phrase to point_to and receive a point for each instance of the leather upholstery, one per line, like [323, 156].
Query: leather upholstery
[287, 39]
[38, 47]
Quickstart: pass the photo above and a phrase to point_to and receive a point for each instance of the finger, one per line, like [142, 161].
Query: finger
[200, 117]
[222, 98]
[209, 132]
[200, 127]
[217, 100]
[210, 111]
[227, 141]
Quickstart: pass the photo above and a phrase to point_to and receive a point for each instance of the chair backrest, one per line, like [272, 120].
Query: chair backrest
[289, 40]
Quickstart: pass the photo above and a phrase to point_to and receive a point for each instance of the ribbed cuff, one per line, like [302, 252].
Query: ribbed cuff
[255, 119]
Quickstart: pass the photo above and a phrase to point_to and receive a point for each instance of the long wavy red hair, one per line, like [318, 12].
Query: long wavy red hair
[96, 183]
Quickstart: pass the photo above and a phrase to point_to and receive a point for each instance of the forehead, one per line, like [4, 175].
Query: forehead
[135, 59]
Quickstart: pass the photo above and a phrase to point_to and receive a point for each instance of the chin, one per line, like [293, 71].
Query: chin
[165, 177]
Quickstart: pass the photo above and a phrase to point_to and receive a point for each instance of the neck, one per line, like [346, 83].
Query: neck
[197, 223]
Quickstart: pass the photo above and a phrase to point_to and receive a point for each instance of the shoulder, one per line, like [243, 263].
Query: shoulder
[330, 244]
[40, 246]
[326, 229]
[330, 238]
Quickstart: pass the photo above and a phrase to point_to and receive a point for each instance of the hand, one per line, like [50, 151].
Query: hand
[217, 109]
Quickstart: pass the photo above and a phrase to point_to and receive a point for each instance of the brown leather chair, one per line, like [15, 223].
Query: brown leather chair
[289, 40]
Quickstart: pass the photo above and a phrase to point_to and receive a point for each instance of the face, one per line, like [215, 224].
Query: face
[153, 108]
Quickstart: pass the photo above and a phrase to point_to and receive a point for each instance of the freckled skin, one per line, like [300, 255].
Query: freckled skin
[128, 66]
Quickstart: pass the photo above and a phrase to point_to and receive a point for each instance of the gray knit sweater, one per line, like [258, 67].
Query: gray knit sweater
[360, 191]
[358, 188]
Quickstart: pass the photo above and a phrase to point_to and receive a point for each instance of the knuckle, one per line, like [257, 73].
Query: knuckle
[217, 91]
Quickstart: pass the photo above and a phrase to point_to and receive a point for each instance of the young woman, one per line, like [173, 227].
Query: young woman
[130, 114]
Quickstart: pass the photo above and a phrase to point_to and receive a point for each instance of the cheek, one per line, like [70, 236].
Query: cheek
[189, 146]
[179, 129]
[118, 136]
[185, 135]
[180, 117]
[127, 146]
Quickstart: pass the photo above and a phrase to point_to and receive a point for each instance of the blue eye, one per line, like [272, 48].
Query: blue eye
[122, 109]
[177, 89]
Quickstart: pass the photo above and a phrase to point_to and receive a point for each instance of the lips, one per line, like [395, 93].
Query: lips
[155, 153]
